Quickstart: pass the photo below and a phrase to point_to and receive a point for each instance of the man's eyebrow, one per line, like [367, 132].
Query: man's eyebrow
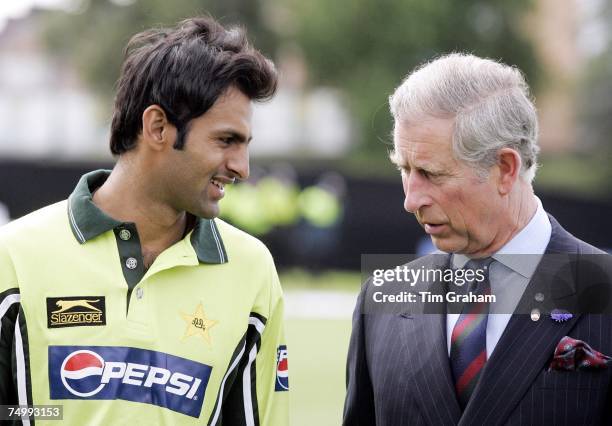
[398, 160]
[233, 134]
[394, 157]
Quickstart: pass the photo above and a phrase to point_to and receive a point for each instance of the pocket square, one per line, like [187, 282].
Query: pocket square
[573, 354]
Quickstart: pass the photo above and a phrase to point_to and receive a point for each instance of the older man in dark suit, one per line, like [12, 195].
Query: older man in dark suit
[465, 141]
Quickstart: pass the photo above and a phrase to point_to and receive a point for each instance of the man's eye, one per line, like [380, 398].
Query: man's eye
[227, 140]
[429, 175]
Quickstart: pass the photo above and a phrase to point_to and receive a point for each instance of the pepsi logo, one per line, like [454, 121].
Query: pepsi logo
[81, 373]
[128, 374]
[282, 369]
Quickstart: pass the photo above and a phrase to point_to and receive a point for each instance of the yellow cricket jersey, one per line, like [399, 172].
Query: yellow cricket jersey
[195, 339]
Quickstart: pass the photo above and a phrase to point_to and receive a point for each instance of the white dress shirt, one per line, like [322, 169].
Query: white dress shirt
[509, 275]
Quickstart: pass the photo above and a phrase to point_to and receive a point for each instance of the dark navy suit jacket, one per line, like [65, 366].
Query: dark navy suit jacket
[398, 370]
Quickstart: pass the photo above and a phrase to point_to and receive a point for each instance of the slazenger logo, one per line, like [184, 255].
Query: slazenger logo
[75, 311]
[107, 372]
[68, 304]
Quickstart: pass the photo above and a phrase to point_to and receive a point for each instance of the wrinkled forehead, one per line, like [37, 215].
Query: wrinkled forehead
[425, 139]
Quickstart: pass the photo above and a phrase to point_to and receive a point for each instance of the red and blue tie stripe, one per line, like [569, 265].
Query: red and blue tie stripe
[469, 338]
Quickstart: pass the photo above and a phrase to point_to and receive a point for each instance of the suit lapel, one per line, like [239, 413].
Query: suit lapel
[434, 383]
[425, 337]
[525, 346]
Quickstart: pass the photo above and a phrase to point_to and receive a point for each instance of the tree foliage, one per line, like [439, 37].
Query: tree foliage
[94, 35]
[366, 47]
[594, 106]
[363, 47]
[595, 94]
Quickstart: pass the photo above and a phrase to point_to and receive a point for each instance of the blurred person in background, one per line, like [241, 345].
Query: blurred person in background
[465, 141]
[129, 302]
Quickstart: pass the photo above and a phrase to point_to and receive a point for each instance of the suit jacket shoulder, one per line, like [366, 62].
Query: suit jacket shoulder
[562, 241]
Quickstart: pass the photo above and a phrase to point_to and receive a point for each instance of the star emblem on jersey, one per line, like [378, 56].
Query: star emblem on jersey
[198, 324]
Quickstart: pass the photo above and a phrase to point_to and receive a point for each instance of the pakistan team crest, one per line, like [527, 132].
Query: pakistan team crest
[198, 324]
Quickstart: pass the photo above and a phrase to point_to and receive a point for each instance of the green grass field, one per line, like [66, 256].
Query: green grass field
[317, 358]
[317, 352]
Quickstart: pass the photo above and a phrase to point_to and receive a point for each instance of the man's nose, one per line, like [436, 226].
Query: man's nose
[416, 195]
[238, 162]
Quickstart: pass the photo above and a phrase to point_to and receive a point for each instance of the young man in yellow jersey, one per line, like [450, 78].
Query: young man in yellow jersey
[129, 302]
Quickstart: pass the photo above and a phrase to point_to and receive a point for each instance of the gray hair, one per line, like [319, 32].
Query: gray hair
[490, 102]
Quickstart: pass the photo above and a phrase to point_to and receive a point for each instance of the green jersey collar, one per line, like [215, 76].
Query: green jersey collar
[87, 221]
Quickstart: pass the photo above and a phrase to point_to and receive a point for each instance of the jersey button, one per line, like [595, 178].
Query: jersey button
[131, 263]
[125, 234]
[139, 293]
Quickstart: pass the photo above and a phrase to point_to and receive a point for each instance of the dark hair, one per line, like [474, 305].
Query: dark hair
[184, 70]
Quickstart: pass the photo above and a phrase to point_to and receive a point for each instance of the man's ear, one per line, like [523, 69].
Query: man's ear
[509, 164]
[157, 132]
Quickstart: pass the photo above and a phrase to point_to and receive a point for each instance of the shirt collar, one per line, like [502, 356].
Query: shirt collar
[523, 252]
[87, 221]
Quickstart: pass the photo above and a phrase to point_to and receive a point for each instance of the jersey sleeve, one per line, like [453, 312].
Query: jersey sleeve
[9, 308]
[258, 394]
[272, 363]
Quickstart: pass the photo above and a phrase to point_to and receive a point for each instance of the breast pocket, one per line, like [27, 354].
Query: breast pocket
[565, 398]
[574, 380]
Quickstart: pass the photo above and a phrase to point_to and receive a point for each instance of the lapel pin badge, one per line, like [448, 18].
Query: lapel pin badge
[559, 315]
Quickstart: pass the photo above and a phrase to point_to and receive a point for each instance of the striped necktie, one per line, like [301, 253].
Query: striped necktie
[469, 339]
